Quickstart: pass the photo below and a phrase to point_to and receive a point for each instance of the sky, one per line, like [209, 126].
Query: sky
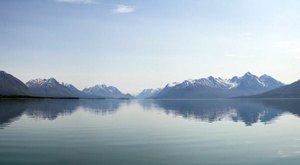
[137, 44]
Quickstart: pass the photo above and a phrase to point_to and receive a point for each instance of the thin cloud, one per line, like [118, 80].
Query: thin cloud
[77, 1]
[122, 9]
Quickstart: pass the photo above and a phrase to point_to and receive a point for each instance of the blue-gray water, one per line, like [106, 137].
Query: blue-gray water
[109, 132]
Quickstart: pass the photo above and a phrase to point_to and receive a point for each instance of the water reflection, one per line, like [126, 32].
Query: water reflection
[50, 109]
[247, 111]
[102, 107]
[11, 110]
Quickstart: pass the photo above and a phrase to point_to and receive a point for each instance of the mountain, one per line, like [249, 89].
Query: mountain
[250, 84]
[52, 88]
[268, 80]
[287, 91]
[105, 91]
[210, 87]
[147, 93]
[213, 87]
[11, 86]
[128, 96]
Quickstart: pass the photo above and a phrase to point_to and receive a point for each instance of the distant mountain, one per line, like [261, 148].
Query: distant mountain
[105, 91]
[52, 88]
[148, 93]
[212, 87]
[128, 96]
[250, 84]
[287, 91]
[270, 81]
[11, 86]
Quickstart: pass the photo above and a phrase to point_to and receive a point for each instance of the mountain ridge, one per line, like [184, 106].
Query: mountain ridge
[105, 91]
[288, 91]
[210, 87]
[147, 93]
[10, 85]
[216, 87]
[52, 88]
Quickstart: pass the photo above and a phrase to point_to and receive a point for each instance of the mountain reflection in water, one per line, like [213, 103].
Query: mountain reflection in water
[247, 111]
[11, 110]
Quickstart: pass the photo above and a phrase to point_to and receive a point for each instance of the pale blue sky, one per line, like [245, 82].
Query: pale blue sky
[145, 44]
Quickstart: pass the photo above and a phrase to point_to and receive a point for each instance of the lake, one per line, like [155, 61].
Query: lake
[169, 132]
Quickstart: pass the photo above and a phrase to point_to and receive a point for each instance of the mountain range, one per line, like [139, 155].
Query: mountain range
[52, 88]
[107, 91]
[11, 86]
[248, 85]
[216, 87]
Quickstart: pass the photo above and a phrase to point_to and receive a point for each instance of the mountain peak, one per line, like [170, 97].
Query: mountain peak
[249, 74]
[265, 76]
[52, 79]
[172, 84]
[104, 86]
[105, 91]
[41, 82]
[3, 72]
[10, 85]
[100, 86]
[210, 78]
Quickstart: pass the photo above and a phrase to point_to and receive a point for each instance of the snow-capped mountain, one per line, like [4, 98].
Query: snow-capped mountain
[11, 86]
[105, 91]
[213, 87]
[210, 87]
[52, 88]
[250, 84]
[148, 93]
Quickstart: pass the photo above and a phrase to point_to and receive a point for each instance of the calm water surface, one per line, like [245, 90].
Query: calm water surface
[109, 132]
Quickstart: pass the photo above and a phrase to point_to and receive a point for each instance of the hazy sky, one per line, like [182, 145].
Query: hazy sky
[146, 44]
